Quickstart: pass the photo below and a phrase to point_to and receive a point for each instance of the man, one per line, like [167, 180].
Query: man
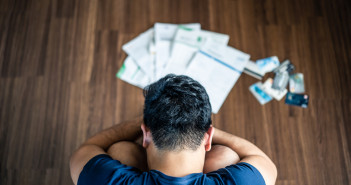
[181, 145]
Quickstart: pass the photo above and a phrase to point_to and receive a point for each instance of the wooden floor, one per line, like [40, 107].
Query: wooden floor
[58, 60]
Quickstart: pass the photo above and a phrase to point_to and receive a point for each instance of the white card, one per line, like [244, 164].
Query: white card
[276, 94]
[268, 64]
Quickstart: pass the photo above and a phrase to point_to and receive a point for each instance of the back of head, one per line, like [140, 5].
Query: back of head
[178, 112]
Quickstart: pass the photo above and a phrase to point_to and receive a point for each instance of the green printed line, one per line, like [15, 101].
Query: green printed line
[136, 72]
[191, 45]
[121, 71]
[184, 28]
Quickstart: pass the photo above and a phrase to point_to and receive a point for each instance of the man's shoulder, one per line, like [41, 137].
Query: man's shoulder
[102, 169]
[240, 174]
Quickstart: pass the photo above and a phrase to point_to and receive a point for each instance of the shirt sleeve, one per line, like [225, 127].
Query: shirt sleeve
[240, 174]
[102, 169]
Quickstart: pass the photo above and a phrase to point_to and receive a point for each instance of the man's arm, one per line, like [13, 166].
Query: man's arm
[248, 153]
[99, 143]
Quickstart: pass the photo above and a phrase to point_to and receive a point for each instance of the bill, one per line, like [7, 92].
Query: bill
[217, 68]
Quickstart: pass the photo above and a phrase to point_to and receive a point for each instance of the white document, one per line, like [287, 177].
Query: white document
[131, 73]
[218, 38]
[164, 35]
[186, 43]
[217, 68]
[139, 49]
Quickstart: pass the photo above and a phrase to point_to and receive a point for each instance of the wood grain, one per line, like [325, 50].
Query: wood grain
[58, 60]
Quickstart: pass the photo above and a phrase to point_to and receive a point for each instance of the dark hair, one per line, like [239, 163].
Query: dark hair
[178, 112]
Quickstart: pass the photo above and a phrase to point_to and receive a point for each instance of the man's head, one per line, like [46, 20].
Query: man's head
[178, 113]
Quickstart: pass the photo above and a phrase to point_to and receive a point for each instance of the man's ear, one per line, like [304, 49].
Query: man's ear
[208, 138]
[146, 135]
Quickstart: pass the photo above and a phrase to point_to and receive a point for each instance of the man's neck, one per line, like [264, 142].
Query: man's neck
[176, 164]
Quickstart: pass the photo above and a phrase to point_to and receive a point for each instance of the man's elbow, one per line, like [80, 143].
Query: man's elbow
[77, 162]
[274, 172]
[271, 171]
[73, 166]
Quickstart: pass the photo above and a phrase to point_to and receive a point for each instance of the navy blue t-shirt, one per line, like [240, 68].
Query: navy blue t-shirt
[102, 169]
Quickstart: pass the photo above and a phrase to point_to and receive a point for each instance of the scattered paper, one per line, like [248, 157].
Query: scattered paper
[217, 68]
[132, 73]
[164, 35]
[139, 50]
[206, 57]
[186, 43]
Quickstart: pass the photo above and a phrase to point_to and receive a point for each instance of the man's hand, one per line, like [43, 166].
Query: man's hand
[99, 144]
[248, 153]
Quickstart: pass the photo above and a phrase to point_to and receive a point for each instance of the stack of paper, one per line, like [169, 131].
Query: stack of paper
[184, 50]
